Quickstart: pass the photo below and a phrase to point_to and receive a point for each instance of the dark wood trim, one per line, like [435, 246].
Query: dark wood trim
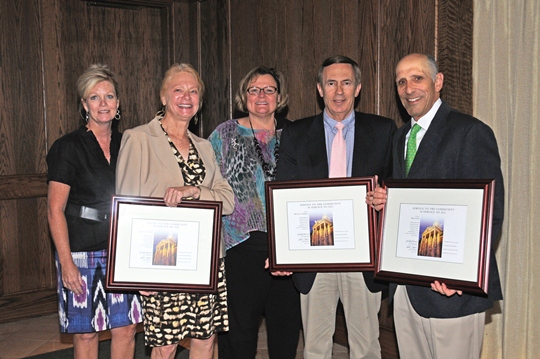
[28, 305]
[23, 186]
[129, 4]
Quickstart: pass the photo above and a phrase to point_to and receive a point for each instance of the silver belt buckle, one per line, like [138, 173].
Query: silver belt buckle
[89, 213]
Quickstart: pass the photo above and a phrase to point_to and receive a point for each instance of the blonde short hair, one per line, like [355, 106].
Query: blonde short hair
[92, 76]
[176, 69]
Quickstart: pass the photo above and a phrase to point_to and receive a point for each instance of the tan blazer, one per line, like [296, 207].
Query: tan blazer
[147, 167]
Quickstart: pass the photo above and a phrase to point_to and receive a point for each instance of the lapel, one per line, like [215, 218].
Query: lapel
[163, 151]
[400, 148]
[364, 144]
[435, 133]
[316, 148]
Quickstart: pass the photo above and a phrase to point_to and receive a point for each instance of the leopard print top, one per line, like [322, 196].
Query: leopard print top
[193, 169]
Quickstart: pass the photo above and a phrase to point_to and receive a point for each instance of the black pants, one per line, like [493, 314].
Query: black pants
[253, 292]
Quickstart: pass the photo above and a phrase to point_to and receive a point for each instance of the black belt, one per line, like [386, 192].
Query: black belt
[86, 212]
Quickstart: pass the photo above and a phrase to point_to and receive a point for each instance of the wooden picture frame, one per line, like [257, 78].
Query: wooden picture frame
[153, 247]
[321, 225]
[437, 230]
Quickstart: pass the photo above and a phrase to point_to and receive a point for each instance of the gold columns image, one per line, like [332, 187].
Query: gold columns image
[322, 233]
[165, 253]
[431, 242]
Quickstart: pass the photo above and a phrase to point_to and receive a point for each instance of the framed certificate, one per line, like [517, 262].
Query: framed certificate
[321, 225]
[153, 247]
[437, 230]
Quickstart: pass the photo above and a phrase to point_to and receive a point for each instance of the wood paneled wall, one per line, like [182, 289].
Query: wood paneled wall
[46, 44]
[25, 251]
[296, 36]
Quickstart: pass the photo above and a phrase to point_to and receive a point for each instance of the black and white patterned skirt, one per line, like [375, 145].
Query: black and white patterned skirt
[171, 317]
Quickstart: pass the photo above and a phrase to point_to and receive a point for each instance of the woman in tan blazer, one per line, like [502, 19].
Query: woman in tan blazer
[164, 159]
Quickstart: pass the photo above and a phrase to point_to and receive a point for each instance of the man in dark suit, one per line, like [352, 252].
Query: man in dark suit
[305, 153]
[440, 322]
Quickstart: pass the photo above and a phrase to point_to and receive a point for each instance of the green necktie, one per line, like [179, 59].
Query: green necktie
[411, 148]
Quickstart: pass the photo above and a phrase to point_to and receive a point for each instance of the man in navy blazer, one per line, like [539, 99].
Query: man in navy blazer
[305, 153]
[440, 322]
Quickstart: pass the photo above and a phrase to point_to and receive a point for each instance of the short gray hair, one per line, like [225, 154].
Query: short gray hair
[432, 66]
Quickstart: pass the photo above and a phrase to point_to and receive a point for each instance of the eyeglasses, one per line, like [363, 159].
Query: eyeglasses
[255, 91]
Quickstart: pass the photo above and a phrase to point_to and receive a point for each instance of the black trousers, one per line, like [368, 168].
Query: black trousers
[253, 292]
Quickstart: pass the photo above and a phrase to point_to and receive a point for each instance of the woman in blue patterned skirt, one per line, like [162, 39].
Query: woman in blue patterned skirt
[81, 182]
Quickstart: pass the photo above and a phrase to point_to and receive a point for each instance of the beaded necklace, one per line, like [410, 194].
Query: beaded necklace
[269, 172]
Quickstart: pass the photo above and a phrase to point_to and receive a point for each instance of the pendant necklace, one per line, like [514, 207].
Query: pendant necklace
[269, 172]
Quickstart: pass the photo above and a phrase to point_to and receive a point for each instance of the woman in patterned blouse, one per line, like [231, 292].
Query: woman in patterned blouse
[247, 151]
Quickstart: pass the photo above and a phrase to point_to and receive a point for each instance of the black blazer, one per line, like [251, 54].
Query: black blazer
[455, 146]
[303, 155]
